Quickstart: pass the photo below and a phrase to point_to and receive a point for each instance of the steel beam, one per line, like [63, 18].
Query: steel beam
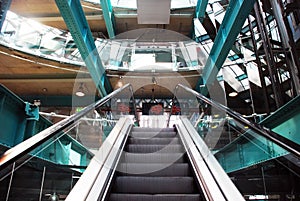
[72, 12]
[107, 12]
[20, 121]
[200, 9]
[250, 149]
[4, 6]
[259, 66]
[236, 14]
[268, 19]
[62, 100]
[269, 56]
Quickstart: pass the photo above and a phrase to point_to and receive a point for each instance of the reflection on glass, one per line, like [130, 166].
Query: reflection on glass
[51, 170]
[259, 167]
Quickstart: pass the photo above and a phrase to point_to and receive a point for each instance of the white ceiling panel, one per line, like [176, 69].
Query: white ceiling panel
[153, 11]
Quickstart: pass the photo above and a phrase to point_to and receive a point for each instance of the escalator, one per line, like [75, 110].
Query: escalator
[46, 164]
[136, 163]
[154, 166]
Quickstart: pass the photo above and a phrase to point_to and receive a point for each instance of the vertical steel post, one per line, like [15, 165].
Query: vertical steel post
[10, 181]
[286, 39]
[261, 24]
[261, 77]
[263, 180]
[42, 184]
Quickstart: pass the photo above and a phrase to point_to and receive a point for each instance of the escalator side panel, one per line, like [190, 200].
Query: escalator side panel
[212, 178]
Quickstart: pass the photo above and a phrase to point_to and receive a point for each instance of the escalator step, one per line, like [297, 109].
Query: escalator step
[154, 185]
[134, 148]
[157, 197]
[174, 140]
[153, 158]
[161, 170]
[152, 134]
[144, 129]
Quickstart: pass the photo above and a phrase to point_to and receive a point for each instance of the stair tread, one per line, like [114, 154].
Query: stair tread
[143, 129]
[145, 148]
[156, 197]
[154, 185]
[154, 169]
[153, 157]
[154, 140]
[147, 135]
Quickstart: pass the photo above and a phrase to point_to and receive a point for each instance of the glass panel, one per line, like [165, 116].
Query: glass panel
[50, 171]
[132, 55]
[40, 40]
[258, 166]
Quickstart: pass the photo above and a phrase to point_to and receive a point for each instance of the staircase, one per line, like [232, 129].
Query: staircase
[154, 167]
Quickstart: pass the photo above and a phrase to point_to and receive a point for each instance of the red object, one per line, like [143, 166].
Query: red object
[123, 108]
[156, 109]
[175, 109]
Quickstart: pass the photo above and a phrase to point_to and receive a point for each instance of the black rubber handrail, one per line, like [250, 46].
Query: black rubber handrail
[28, 145]
[281, 141]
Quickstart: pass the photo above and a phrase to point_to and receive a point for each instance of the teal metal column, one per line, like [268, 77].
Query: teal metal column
[200, 9]
[4, 6]
[108, 17]
[72, 12]
[235, 16]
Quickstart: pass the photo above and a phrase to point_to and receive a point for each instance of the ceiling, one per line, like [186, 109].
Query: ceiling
[46, 12]
[34, 77]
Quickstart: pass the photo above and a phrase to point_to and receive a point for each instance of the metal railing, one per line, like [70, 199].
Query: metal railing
[94, 183]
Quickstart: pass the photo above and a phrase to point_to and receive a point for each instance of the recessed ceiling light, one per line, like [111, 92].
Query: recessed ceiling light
[233, 94]
[80, 91]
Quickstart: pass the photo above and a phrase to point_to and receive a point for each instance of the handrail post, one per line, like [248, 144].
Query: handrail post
[172, 105]
[134, 106]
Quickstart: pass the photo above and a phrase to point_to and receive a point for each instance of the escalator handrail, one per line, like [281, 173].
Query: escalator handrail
[134, 106]
[215, 183]
[283, 142]
[94, 183]
[18, 151]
